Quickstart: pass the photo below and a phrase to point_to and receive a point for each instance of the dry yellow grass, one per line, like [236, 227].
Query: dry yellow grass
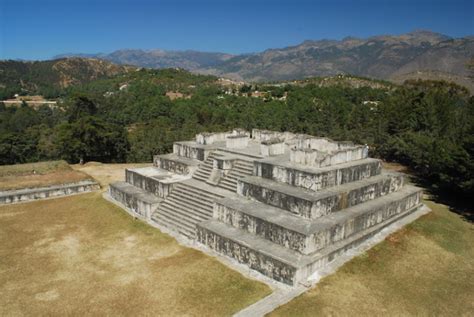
[82, 255]
[38, 174]
[425, 269]
[107, 173]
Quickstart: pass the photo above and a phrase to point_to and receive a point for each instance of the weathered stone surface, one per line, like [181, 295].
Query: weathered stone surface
[29, 194]
[307, 236]
[154, 180]
[237, 141]
[192, 150]
[207, 138]
[272, 147]
[221, 239]
[316, 158]
[317, 178]
[264, 135]
[310, 204]
[175, 164]
[137, 200]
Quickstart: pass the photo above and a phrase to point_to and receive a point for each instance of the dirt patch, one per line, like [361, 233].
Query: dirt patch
[107, 173]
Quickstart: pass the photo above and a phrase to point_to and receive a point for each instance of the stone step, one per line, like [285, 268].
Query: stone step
[311, 204]
[184, 209]
[200, 178]
[208, 193]
[305, 235]
[190, 214]
[201, 200]
[227, 186]
[190, 203]
[170, 223]
[275, 261]
[142, 203]
[279, 169]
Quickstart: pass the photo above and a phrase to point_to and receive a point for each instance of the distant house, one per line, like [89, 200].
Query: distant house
[258, 94]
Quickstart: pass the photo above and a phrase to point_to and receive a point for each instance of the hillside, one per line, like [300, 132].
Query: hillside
[50, 77]
[190, 60]
[419, 54]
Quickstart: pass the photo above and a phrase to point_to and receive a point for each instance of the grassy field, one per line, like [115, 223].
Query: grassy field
[82, 255]
[425, 269]
[38, 174]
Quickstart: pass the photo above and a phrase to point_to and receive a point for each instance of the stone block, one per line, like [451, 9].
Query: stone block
[272, 147]
[237, 141]
[175, 164]
[206, 138]
[192, 150]
[139, 202]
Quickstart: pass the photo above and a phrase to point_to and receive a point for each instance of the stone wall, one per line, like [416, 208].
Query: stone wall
[364, 220]
[258, 261]
[321, 144]
[317, 179]
[270, 231]
[171, 164]
[264, 135]
[315, 236]
[211, 138]
[272, 147]
[316, 158]
[29, 194]
[237, 141]
[191, 150]
[315, 206]
[140, 205]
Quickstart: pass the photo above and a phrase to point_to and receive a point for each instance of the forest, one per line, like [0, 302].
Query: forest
[426, 125]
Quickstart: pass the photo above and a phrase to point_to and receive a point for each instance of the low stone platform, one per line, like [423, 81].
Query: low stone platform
[283, 204]
[139, 201]
[154, 180]
[30, 194]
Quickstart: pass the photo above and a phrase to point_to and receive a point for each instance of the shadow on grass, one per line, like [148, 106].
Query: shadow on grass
[456, 202]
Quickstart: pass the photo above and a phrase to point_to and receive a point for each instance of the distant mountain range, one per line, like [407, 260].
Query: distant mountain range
[419, 54]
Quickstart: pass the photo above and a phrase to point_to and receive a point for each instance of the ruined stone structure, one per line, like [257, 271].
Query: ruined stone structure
[283, 204]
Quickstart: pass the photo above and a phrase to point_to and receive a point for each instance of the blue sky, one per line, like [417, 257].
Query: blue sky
[40, 29]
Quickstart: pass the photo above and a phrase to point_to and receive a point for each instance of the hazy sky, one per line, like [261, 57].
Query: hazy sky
[40, 29]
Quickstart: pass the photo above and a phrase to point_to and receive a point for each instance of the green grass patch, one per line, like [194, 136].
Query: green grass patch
[34, 168]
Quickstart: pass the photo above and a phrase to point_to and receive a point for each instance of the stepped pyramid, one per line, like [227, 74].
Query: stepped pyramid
[283, 204]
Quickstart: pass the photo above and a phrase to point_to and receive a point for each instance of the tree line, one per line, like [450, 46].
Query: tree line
[426, 125]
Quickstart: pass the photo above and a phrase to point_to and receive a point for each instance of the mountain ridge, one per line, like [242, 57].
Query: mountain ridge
[388, 57]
